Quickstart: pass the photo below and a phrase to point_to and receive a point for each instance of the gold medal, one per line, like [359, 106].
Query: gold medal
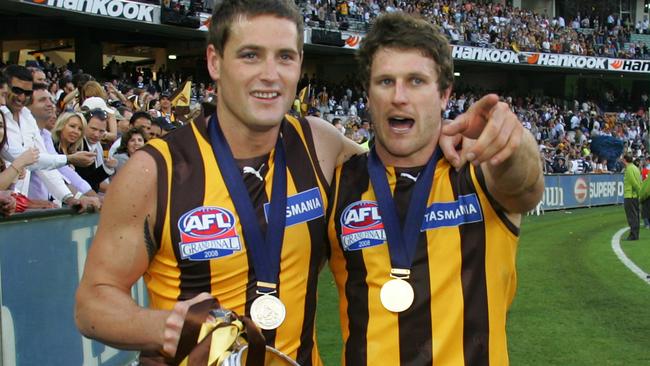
[397, 295]
[268, 312]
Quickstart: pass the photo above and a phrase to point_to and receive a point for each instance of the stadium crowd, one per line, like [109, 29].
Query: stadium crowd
[494, 26]
[479, 24]
[563, 129]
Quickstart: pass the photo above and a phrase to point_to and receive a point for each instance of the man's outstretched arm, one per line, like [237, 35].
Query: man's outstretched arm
[507, 152]
[117, 258]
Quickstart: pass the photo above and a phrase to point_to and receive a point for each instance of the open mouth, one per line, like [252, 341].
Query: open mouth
[400, 124]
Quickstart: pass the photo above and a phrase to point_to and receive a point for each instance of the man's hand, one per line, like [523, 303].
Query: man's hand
[84, 204]
[27, 158]
[496, 129]
[7, 203]
[110, 162]
[175, 321]
[82, 158]
[453, 146]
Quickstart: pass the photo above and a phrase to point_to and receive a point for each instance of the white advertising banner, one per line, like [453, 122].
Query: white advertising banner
[549, 59]
[124, 9]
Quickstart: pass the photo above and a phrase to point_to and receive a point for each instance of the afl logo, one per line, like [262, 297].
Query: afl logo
[361, 215]
[361, 226]
[207, 233]
[206, 222]
[580, 190]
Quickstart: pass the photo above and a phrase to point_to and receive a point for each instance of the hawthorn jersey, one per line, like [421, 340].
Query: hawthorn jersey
[463, 271]
[201, 246]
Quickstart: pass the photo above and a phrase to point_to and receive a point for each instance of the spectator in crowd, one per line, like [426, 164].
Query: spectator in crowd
[10, 174]
[166, 109]
[96, 174]
[38, 76]
[68, 132]
[42, 109]
[132, 141]
[122, 116]
[160, 127]
[601, 166]
[74, 98]
[138, 119]
[645, 169]
[156, 130]
[365, 130]
[23, 133]
[560, 165]
[94, 96]
[632, 187]
[66, 87]
[338, 125]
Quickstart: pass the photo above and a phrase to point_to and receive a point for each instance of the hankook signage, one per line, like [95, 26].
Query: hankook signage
[123, 9]
[549, 59]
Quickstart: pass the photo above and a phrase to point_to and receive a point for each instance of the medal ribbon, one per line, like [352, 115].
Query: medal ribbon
[402, 242]
[265, 251]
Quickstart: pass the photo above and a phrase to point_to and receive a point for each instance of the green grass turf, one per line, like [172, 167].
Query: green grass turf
[576, 303]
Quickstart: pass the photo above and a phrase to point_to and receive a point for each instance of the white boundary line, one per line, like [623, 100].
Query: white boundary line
[616, 246]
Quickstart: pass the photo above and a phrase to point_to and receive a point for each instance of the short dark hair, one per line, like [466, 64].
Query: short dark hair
[39, 86]
[98, 113]
[18, 72]
[64, 81]
[628, 158]
[225, 13]
[140, 114]
[405, 32]
[124, 141]
[122, 109]
[79, 80]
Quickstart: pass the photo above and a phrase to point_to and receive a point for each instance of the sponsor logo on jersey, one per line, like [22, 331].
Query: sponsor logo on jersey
[208, 233]
[361, 226]
[445, 214]
[301, 207]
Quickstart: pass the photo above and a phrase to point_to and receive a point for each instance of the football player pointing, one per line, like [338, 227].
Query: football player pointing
[428, 278]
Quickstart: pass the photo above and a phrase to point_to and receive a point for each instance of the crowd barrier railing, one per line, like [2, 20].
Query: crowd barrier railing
[42, 256]
[581, 190]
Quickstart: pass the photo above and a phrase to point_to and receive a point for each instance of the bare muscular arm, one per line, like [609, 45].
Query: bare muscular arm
[117, 259]
[119, 255]
[331, 146]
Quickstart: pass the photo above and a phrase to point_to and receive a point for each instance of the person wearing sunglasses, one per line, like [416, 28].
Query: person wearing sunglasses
[96, 174]
[23, 133]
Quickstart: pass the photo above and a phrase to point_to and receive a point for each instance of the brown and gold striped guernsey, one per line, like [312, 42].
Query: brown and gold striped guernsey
[194, 206]
[463, 273]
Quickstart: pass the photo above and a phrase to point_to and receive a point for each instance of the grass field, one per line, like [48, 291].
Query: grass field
[576, 303]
